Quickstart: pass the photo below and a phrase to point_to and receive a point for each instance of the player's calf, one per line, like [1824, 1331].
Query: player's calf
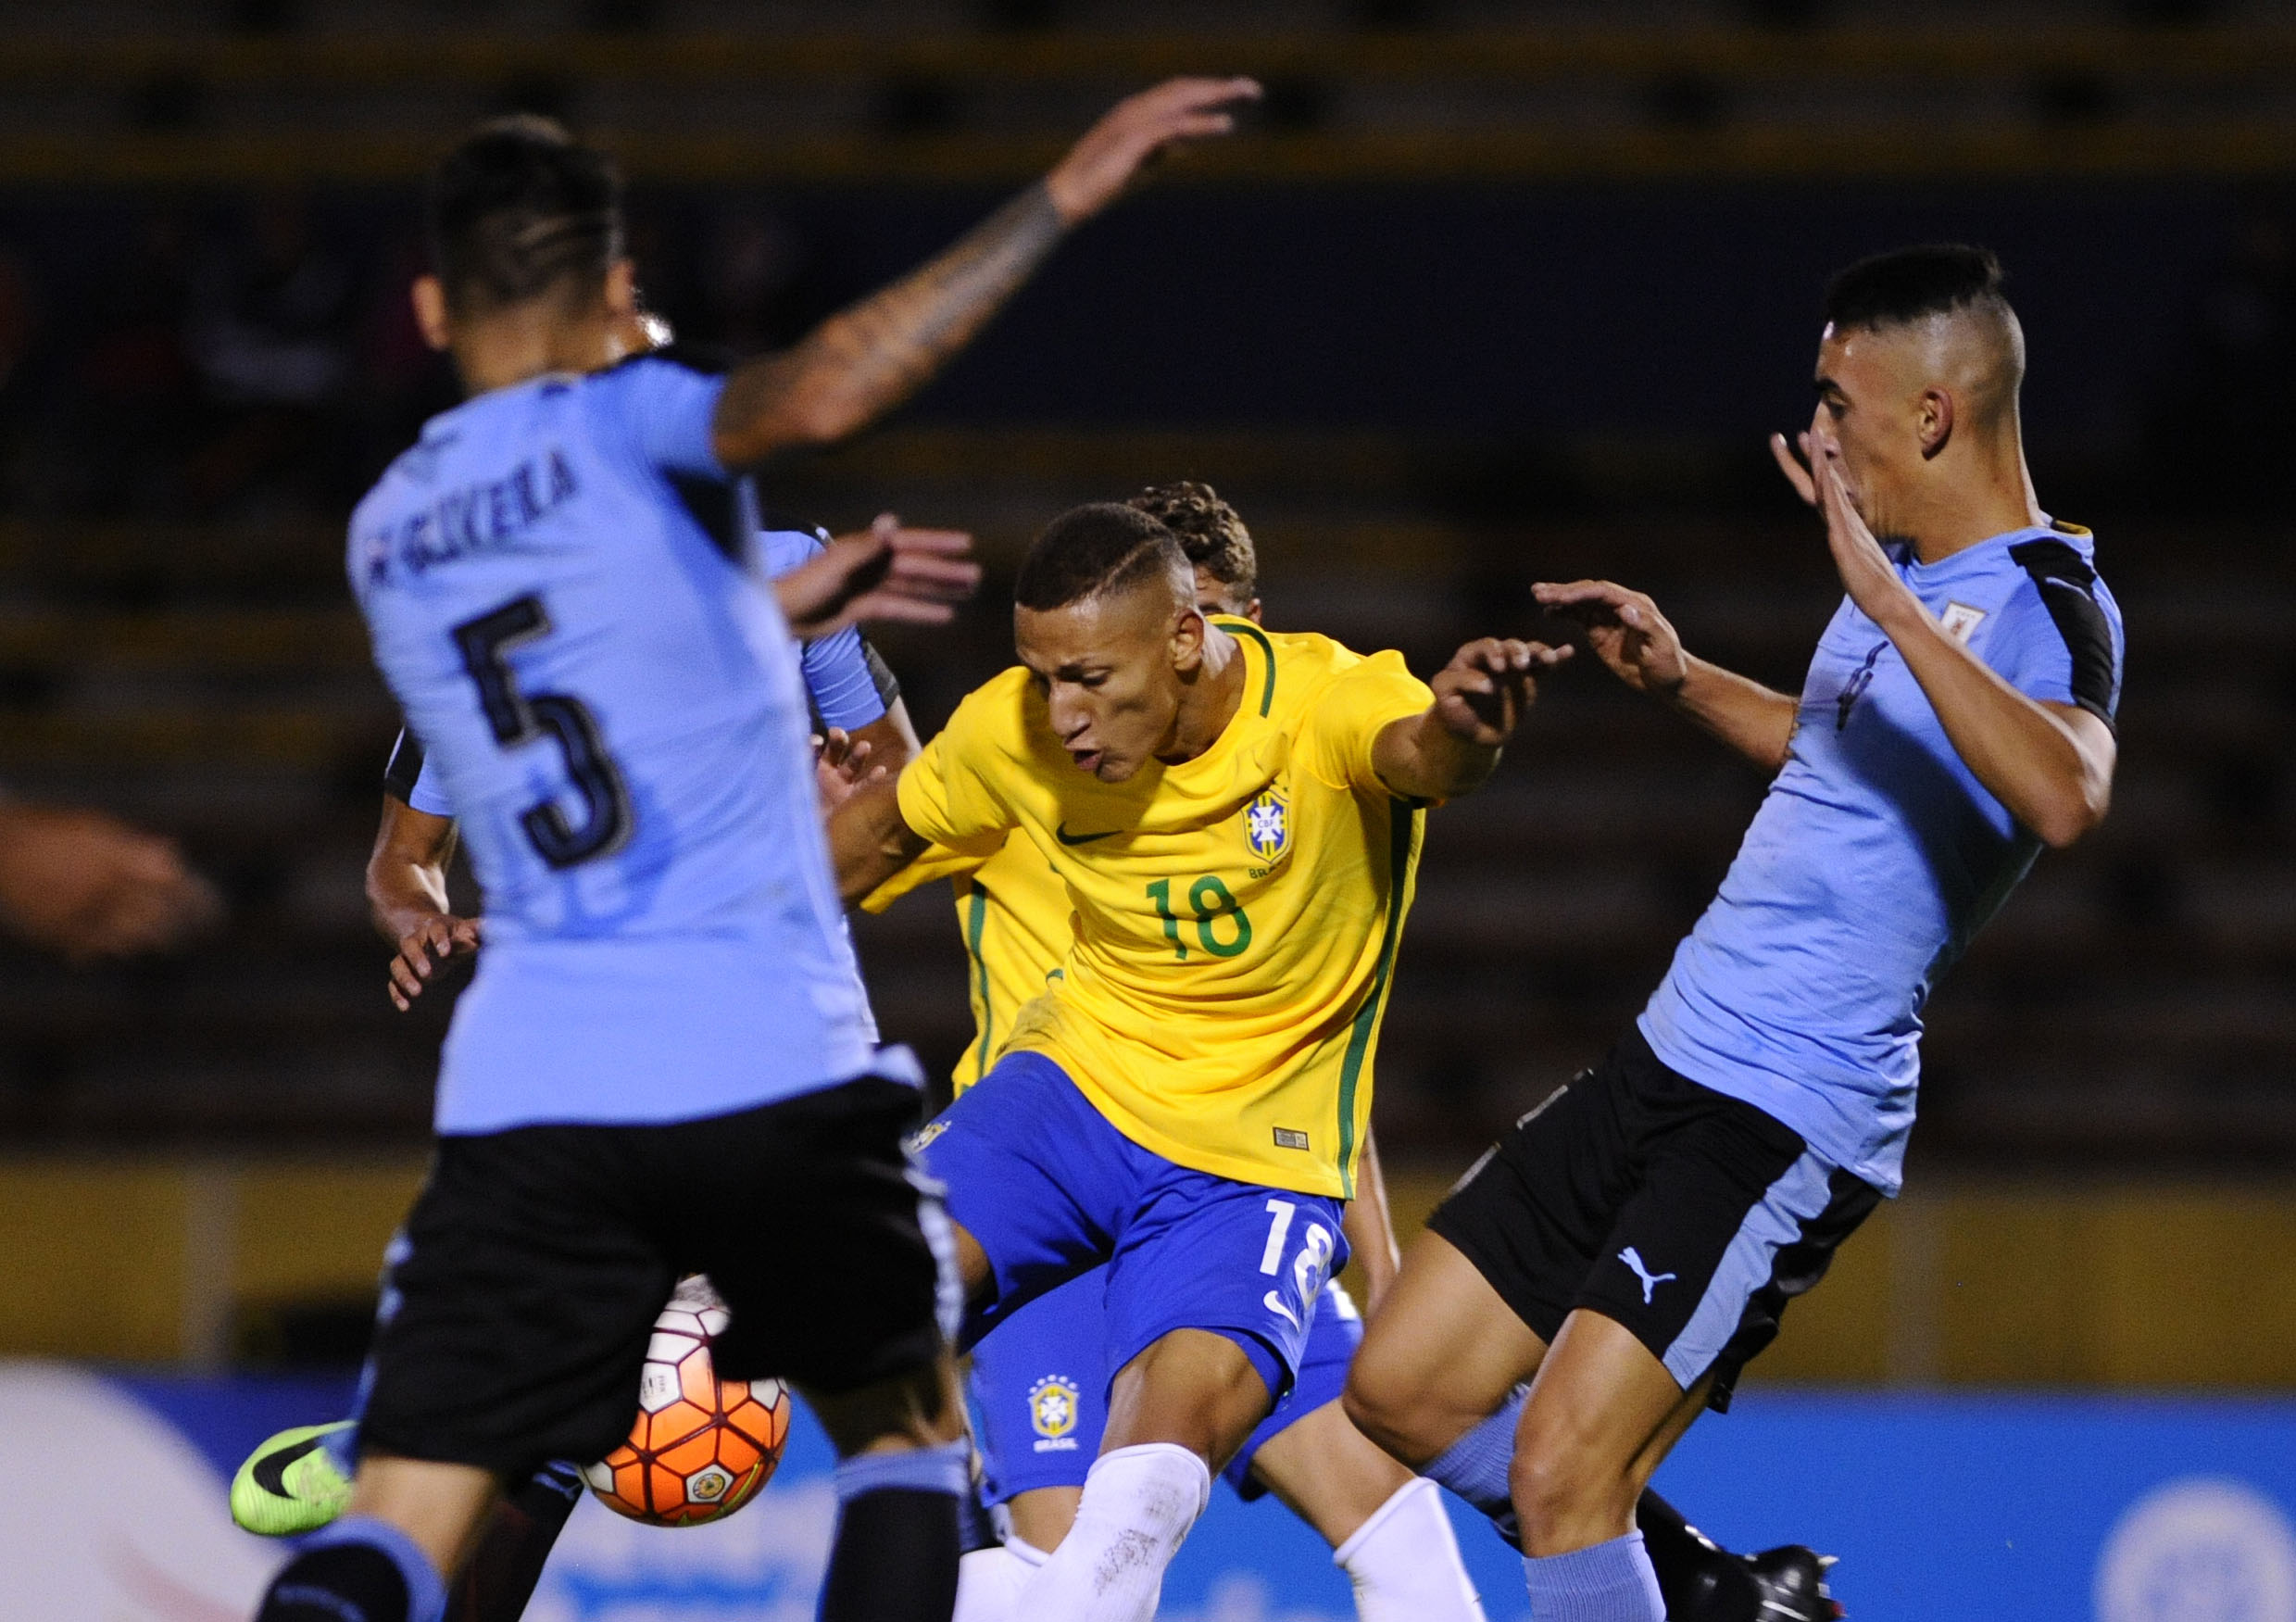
[903, 1468]
[1181, 1407]
[1441, 1358]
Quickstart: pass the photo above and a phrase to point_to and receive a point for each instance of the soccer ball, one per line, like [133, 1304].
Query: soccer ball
[702, 1446]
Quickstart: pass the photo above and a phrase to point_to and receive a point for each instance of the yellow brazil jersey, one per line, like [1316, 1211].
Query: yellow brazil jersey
[1235, 916]
[1013, 913]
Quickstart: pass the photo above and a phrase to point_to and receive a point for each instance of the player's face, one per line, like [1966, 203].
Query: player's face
[1866, 405]
[1113, 670]
[1215, 595]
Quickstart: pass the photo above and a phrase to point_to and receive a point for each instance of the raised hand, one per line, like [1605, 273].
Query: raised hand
[841, 766]
[887, 572]
[1626, 632]
[437, 940]
[1867, 573]
[1481, 694]
[1791, 466]
[1136, 131]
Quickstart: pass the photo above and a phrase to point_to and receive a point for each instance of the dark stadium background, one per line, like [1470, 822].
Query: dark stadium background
[1492, 293]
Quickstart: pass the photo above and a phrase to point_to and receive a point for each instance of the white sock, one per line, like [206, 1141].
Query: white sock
[989, 1581]
[1404, 1562]
[1138, 1503]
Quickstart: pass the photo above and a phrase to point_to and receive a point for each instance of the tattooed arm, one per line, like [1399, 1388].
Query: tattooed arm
[862, 362]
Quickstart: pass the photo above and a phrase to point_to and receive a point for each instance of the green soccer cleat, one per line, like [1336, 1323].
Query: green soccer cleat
[290, 1485]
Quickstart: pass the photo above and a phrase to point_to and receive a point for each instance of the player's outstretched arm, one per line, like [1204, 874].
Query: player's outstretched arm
[1638, 646]
[1450, 748]
[859, 364]
[869, 839]
[885, 572]
[407, 896]
[90, 887]
[2051, 764]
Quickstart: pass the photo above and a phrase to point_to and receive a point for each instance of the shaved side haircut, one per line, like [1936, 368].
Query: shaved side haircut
[1896, 289]
[1949, 286]
[1211, 533]
[1105, 546]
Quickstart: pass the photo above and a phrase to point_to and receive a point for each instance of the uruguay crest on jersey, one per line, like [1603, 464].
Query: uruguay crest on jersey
[1267, 825]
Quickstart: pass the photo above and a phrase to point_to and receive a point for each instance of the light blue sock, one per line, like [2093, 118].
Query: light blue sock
[947, 1470]
[1476, 1466]
[1611, 1582]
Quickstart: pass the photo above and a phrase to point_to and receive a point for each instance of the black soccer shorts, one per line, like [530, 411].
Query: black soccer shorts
[533, 1263]
[1687, 1215]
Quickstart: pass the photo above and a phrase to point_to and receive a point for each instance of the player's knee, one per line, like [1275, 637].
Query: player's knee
[1565, 1497]
[1383, 1403]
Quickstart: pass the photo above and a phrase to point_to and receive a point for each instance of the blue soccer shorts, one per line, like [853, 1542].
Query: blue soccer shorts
[1040, 1388]
[1050, 1189]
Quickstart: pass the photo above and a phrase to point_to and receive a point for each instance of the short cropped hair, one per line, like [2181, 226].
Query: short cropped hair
[1210, 532]
[519, 209]
[1100, 548]
[1896, 289]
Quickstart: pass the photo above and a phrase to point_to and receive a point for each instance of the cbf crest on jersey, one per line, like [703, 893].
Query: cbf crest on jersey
[1267, 825]
[1052, 1406]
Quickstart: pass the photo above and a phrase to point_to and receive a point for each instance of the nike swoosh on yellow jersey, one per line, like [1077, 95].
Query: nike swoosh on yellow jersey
[1065, 838]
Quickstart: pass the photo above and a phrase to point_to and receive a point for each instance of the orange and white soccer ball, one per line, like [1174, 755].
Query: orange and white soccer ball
[702, 1447]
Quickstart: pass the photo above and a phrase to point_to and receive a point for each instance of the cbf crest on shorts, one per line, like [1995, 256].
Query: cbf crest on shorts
[1052, 1406]
[1267, 825]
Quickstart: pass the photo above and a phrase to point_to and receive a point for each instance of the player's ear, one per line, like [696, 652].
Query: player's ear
[1187, 639]
[1251, 610]
[1933, 418]
[429, 297]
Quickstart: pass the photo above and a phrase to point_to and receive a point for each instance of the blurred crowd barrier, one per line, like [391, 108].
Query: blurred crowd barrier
[1396, 88]
[258, 1262]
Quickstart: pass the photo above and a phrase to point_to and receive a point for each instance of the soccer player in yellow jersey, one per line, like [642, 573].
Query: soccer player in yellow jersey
[1236, 815]
[1039, 1383]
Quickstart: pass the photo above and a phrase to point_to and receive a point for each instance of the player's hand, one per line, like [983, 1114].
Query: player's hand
[1867, 573]
[90, 887]
[885, 572]
[1791, 466]
[1481, 694]
[1134, 132]
[840, 766]
[1626, 632]
[437, 940]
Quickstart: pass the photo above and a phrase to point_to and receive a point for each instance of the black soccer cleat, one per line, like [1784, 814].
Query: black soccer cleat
[1778, 1585]
[1790, 1583]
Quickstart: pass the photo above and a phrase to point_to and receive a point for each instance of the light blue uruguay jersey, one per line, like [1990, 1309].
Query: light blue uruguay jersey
[613, 708]
[846, 686]
[1876, 856]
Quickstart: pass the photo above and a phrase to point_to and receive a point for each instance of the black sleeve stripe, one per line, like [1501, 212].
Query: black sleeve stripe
[2066, 585]
[716, 505]
[404, 766]
[888, 684]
